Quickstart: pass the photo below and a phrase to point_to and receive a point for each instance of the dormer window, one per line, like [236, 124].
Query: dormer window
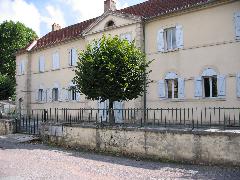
[110, 24]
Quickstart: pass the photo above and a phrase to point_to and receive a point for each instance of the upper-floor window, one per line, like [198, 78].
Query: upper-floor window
[55, 61]
[237, 24]
[110, 24]
[73, 57]
[41, 64]
[170, 38]
[210, 84]
[21, 67]
[172, 87]
[127, 36]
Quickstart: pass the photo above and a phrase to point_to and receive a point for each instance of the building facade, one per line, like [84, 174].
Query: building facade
[195, 46]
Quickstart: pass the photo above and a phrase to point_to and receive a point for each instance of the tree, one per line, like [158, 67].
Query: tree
[112, 69]
[13, 36]
[6, 87]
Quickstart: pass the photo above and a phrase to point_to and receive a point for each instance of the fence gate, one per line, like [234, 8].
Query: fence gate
[30, 123]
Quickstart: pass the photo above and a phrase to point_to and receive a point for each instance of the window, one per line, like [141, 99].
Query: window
[73, 93]
[55, 61]
[72, 57]
[172, 87]
[110, 24]
[22, 67]
[41, 64]
[210, 84]
[170, 38]
[55, 94]
[40, 95]
[237, 24]
[127, 36]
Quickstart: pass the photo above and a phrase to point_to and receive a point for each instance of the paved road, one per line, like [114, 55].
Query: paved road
[37, 161]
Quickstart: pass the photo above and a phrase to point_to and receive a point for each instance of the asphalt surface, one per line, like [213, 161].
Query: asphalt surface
[23, 160]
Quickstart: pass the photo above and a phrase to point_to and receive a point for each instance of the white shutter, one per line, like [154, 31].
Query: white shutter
[41, 64]
[60, 95]
[179, 36]
[65, 94]
[181, 88]
[78, 96]
[49, 95]
[198, 87]
[160, 40]
[238, 84]
[161, 89]
[237, 24]
[23, 67]
[118, 113]
[53, 62]
[44, 95]
[74, 57]
[221, 85]
[57, 61]
[70, 57]
[37, 95]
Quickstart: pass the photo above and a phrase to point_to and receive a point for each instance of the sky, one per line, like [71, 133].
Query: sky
[39, 15]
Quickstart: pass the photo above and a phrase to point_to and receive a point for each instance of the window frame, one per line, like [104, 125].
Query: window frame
[40, 95]
[72, 93]
[173, 81]
[55, 94]
[165, 36]
[210, 86]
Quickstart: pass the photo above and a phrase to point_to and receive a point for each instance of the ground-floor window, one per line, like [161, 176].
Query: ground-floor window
[73, 93]
[55, 94]
[40, 95]
[172, 88]
[210, 86]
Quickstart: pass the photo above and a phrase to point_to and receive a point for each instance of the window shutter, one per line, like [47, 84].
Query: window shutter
[78, 96]
[238, 84]
[60, 94]
[237, 24]
[65, 94]
[53, 61]
[102, 113]
[44, 95]
[160, 41]
[221, 85]
[23, 67]
[57, 61]
[49, 95]
[37, 95]
[70, 57]
[179, 36]
[198, 87]
[161, 89]
[41, 64]
[74, 57]
[181, 88]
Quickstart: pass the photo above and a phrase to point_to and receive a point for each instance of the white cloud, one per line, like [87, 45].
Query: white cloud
[84, 10]
[55, 15]
[19, 10]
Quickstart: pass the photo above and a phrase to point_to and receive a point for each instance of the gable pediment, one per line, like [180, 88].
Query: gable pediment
[111, 20]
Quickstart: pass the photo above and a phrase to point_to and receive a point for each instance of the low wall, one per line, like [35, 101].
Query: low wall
[200, 147]
[7, 126]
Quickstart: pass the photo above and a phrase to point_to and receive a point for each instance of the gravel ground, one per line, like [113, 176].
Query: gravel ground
[38, 161]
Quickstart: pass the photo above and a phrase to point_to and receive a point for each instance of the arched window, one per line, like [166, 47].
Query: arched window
[110, 24]
[172, 87]
[209, 77]
[210, 84]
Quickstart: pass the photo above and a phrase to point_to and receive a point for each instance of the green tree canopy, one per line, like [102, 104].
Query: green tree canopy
[6, 87]
[13, 36]
[112, 69]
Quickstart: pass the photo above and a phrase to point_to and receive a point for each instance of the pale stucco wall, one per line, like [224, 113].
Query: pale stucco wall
[209, 42]
[219, 147]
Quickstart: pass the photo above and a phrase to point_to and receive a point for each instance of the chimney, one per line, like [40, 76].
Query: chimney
[56, 27]
[109, 5]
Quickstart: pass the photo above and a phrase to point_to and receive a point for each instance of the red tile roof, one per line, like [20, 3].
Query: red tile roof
[146, 10]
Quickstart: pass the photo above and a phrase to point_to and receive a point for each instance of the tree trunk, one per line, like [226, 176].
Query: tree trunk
[111, 113]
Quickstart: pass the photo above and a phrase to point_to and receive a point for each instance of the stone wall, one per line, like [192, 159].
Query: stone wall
[7, 126]
[200, 147]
